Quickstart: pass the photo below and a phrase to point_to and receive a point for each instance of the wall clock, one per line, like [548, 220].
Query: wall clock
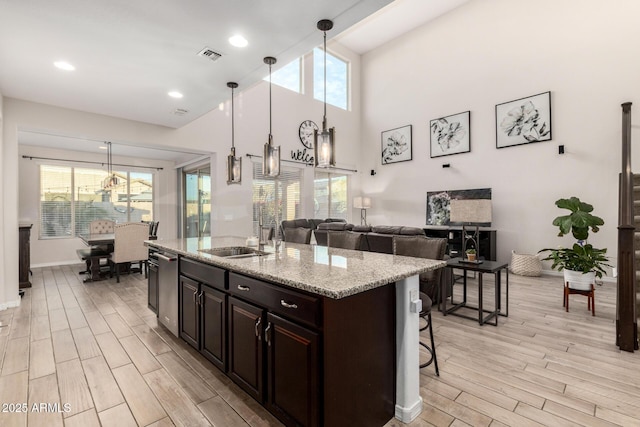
[306, 133]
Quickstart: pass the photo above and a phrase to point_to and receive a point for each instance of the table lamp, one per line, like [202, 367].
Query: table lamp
[362, 203]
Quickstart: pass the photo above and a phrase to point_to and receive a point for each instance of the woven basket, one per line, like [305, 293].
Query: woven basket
[525, 264]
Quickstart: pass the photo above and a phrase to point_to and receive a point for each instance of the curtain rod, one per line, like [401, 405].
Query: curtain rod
[305, 164]
[94, 163]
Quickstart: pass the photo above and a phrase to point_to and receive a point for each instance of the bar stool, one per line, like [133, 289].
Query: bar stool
[425, 313]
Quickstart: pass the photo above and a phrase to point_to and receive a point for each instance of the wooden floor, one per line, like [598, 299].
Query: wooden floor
[95, 354]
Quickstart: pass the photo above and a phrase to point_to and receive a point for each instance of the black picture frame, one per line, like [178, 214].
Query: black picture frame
[396, 145]
[450, 135]
[524, 121]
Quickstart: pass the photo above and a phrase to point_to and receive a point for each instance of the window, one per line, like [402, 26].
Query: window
[70, 198]
[330, 195]
[277, 199]
[337, 79]
[288, 76]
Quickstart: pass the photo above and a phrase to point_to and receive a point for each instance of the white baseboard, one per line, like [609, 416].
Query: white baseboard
[10, 304]
[59, 263]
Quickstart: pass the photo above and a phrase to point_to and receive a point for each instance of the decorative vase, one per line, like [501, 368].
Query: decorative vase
[579, 280]
[471, 257]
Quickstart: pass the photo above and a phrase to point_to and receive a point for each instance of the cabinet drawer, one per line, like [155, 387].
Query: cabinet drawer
[212, 276]
[288, 303]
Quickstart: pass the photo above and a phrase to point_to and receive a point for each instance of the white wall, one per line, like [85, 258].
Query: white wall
[492, 51]
[63, 251]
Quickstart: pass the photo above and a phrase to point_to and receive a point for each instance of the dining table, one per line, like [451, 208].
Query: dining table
[105, 242]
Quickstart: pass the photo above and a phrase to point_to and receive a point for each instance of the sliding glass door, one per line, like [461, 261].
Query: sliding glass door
[197, 202]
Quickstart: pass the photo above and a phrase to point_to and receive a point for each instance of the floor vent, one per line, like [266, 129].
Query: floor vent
[208, 53]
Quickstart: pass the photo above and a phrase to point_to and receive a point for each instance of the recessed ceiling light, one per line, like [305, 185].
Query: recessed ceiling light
[238, 41]
[175, 94]
[63, 65]
[102, 147]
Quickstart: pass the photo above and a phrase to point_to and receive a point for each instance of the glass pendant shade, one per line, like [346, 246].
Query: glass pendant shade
[323, 145]
[234, 164]
[234, 168]
[271, 159]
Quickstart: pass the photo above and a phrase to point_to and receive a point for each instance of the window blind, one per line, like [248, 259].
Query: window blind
[330, 195]
[278, 198]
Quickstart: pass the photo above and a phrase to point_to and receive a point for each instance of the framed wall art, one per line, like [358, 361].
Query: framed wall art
[396, 145]
[451, 134]
[524, 121]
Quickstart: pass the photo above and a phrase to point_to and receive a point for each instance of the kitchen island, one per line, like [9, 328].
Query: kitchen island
[329, 341]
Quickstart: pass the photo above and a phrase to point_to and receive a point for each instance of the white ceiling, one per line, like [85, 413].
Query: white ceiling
[129, 54]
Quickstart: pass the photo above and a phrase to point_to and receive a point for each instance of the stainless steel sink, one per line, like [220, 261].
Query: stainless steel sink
[235, 252]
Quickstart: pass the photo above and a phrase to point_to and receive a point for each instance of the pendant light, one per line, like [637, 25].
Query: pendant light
[234, 164]
[111, 180]
[271, 156]
[323, 146]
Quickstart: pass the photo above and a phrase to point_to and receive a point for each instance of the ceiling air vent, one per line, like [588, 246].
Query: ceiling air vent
[180, 112]
[208, 53]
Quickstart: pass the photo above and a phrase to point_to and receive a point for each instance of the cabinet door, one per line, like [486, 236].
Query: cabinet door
[213, 324]
[292, 372]
[153, 288]
[246, 364]
[189, 319]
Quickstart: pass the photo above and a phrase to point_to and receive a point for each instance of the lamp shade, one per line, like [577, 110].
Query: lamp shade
[470, 211]
[361, 202]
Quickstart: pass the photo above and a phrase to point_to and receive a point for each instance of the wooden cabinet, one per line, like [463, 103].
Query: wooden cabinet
[152, 287]
[292, 372]
[246, 361]
[263, 344]
[24, 255]
[454, 246]
[308, 359]
[203, 310]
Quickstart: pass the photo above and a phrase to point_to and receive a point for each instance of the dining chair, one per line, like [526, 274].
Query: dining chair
[344, 240]
[129, 247]
[297, 235]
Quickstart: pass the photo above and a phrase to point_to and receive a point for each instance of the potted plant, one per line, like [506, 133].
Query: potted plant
[581, 263]
[471, 254]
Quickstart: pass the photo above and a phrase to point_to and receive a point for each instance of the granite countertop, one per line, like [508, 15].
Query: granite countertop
[331, 272]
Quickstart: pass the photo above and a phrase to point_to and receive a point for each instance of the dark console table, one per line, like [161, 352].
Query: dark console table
[454, 237]
[24, 255]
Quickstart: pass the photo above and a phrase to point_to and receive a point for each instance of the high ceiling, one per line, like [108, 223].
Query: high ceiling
[129, 54]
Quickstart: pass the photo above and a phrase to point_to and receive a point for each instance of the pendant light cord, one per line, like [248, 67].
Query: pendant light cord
[269, 99]
[232, 123]
[325, 77]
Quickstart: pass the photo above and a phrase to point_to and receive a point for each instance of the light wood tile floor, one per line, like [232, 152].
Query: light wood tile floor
[97, 348]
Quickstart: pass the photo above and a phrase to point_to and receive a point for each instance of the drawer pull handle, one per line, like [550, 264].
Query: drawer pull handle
[243, 288]
[195, 295]
[287, 305]
[258, 328]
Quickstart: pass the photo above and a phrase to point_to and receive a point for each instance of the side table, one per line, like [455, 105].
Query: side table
[492, 267]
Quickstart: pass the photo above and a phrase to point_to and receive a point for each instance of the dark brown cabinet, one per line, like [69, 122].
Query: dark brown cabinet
[292, 371]
[263, 345]
[24, 255]
[306, 358]
[189, 319]
[246, 361]
[203, 310]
